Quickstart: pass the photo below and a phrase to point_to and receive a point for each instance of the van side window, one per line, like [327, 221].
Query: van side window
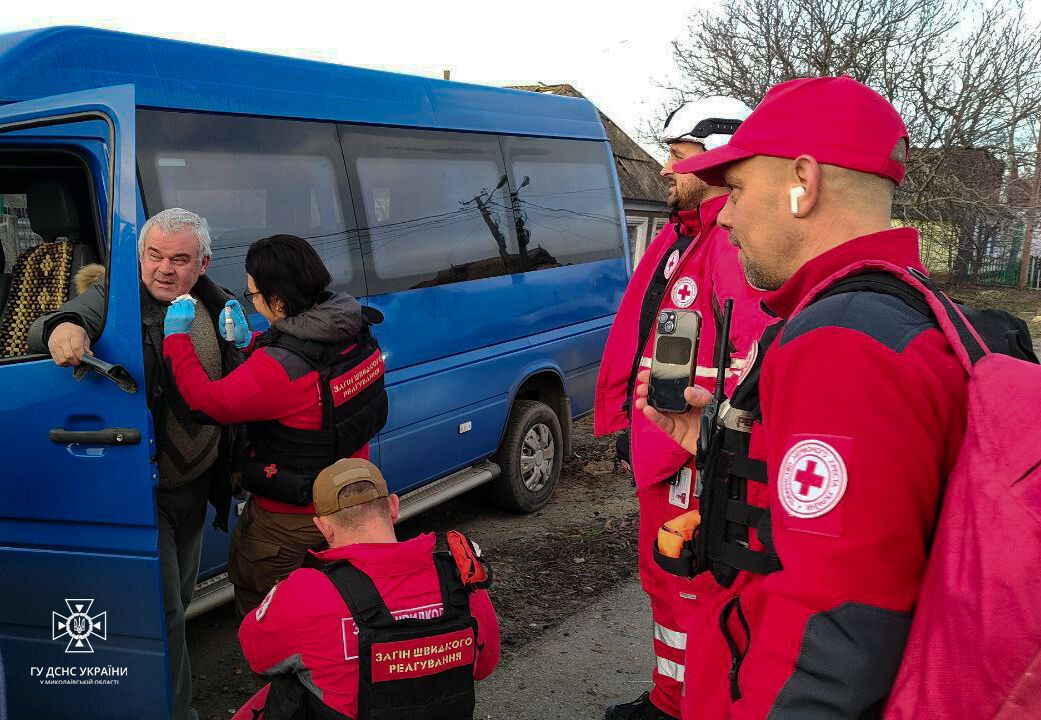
[436, 206]
[251, 178]
[48, 235]
[567, 207]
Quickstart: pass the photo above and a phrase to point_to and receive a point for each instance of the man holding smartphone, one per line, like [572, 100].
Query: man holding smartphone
[689, 267]
[858, 405]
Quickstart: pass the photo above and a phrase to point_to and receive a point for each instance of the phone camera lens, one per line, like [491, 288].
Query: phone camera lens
[670, 326]
[662, 317]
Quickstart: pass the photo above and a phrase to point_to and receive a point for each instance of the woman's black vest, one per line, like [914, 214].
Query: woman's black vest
[286, 460]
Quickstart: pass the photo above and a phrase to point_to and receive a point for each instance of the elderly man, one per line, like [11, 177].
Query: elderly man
[194, 460]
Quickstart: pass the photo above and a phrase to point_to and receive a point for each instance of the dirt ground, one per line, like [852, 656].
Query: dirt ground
[547, 566]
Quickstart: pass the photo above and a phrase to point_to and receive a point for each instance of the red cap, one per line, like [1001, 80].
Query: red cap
[836, 120]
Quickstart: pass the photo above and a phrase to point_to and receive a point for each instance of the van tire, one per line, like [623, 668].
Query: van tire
[528, 475]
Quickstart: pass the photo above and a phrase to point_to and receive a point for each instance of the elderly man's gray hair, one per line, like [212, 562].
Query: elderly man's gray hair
[174, 220]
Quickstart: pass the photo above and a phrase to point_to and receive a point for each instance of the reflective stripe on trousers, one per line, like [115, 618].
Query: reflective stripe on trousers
[670, 669]
[672, 638]
[676, 640]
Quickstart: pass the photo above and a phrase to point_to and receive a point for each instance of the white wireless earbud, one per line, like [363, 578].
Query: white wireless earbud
[794, 194]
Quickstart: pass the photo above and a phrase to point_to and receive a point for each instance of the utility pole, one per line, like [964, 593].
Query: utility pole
[483, 199]
[1028, 236]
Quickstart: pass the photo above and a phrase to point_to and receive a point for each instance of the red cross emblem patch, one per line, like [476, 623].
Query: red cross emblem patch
[271, 470]
[671, 263]
[812, 479]
[684, 292]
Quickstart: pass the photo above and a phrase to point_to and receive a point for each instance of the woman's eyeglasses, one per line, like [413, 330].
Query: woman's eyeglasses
[249, 295]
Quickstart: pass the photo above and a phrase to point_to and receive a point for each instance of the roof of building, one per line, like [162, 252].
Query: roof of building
[189, 76]
[951, 180]
[639, 174]
[1021, 191]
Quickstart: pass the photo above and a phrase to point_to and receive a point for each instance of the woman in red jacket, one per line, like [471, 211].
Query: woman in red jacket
[310, 392]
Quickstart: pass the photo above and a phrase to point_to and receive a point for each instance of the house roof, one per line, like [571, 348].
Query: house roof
[638, 172]
[951, 180]
[1021, 191]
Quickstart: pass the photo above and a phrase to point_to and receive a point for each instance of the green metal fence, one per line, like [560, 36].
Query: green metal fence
[999, 271]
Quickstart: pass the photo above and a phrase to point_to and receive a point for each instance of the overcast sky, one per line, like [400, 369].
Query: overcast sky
[612, 52]
[615, 53]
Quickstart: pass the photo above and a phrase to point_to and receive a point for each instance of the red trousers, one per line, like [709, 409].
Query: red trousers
[711, 616]
[693, 658]
[670, 639]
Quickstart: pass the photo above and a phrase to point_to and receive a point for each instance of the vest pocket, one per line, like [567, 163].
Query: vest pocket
[738, 641]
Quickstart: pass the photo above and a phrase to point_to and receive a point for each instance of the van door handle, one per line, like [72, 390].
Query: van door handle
[105, 436]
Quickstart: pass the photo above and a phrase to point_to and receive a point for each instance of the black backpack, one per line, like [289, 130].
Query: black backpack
[1002, 332]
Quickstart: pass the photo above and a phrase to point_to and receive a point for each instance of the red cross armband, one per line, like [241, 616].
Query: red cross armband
[474, 570]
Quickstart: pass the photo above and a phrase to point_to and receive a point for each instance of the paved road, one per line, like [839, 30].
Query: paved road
[596, 658]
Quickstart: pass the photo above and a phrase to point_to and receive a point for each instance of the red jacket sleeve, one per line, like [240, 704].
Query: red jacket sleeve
[268, 633]
[488, 646]
[612, 382]
[259, 389]
[859, 436]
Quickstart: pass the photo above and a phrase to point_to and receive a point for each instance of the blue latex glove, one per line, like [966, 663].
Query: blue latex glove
[179, 317]
[243, 334]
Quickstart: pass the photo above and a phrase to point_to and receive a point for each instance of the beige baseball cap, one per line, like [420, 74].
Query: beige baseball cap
[344, 473]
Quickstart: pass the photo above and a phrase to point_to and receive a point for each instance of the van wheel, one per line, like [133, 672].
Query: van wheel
[530, 457]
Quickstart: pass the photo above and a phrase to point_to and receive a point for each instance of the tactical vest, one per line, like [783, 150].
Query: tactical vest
[354, 410]
[721, 543]
[408, 669]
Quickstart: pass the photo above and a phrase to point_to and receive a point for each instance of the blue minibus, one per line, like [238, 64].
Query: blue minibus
[485, 223]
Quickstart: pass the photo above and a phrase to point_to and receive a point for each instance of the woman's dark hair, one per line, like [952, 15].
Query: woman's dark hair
[288, 268]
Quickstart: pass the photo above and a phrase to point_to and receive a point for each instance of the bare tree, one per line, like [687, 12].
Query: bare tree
[966, 79]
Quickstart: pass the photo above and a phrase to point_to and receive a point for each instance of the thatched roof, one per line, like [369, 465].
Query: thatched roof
[638, 172]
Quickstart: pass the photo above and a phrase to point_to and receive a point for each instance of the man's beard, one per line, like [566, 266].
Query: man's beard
[677, 201]
[759, 278]
[764, 277]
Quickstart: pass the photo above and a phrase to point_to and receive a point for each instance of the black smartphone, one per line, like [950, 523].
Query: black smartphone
[676, 338]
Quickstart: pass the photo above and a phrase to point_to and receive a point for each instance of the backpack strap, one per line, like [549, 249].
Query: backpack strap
[968, 347]
[453, 593]
[882, 283]
[360, 593]
[966, 335]
[886, 283]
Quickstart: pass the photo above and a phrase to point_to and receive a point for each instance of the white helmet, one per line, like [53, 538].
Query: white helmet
[710, 122]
